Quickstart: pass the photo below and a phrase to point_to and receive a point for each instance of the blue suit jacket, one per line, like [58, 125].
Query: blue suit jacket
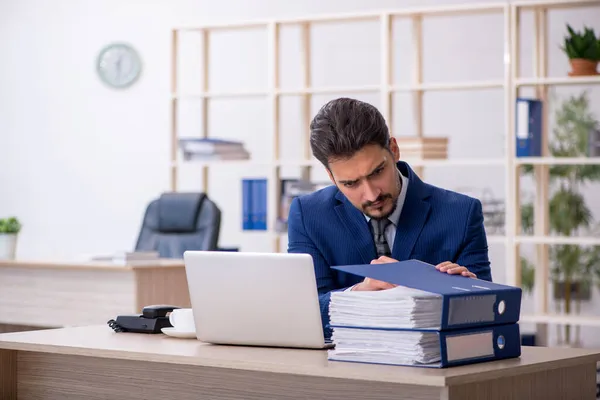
[435, 225]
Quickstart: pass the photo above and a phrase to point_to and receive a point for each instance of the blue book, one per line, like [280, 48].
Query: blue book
[424, 299]
[247, 204]
[420, 348]
[528, 127]
[261, 204]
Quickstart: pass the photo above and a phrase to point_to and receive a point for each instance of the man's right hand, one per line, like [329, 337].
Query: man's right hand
[370, 284]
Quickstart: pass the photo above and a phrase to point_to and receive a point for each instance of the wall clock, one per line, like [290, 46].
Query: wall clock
[118, 65]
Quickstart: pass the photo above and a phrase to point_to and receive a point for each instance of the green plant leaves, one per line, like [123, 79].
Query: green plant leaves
[582, 45]
[10, 225]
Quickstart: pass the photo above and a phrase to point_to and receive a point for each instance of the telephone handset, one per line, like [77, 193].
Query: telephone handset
[152, 320]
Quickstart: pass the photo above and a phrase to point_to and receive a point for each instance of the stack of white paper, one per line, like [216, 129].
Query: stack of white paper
[400, 307]
[386, 346]
[382, 326]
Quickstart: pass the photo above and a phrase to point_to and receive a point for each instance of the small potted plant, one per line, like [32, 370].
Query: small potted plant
[583, 50]
[9, 230]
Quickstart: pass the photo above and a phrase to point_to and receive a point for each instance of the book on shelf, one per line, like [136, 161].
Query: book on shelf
[254, 204]
[428, 319]
[212, 149]
[290, 189]
[129, 257]
[594, 142]
[420, 147]
[528, 129]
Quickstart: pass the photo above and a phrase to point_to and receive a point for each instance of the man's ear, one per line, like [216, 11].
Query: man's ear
[395, 149]
[330, 175]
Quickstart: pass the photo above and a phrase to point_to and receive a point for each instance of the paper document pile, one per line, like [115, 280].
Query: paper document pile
[432, 319]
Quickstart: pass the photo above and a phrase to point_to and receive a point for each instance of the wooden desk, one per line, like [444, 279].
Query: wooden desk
[41, 294]
[96, 363]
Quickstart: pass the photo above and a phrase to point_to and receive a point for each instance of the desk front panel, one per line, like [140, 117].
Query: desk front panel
[64, 297]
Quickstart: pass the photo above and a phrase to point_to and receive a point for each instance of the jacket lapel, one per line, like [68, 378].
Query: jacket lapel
[357, 227]
[415, 212]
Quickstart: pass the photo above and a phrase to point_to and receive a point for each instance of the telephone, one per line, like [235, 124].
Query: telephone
[152, 320]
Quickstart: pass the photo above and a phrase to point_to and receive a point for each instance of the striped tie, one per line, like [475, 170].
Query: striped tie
[379, 225]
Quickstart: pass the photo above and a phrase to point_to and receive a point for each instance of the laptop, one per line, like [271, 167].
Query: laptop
[255, 299]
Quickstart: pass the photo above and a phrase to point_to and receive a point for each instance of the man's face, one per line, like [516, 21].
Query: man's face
[369, 179]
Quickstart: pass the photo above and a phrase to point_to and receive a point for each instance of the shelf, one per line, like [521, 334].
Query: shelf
[207, 95]
[554, 4]
[450, 162]
[560, 80]
[330, 90]
[444, 10]
[561, 319]
[441, 86]
[557, 161]
[313, 163]
[438, 86]
[508, 82]
[558, 240]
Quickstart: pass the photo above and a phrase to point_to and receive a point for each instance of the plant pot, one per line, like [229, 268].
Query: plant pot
[583, 67]
[8, 246]
[579, 291]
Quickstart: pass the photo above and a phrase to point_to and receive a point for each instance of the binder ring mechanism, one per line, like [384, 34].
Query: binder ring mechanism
[501, 342]
[501, 307]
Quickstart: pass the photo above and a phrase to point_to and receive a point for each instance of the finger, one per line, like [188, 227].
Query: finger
[448, 266]
[456, 270]
[469, 274]
[443, 264]
[386, 259]
[380, 285]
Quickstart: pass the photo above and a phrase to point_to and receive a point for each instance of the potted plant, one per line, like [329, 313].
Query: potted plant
[583, 50]
[9, 230]
[574, 268]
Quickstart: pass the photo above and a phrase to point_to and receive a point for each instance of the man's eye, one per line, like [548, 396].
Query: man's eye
[349, 184]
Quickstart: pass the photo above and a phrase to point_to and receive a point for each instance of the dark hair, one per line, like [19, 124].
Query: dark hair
[344, 126]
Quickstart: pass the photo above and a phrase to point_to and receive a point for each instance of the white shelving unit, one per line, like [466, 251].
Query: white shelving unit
[541, 239]
[386, 89]
[510, 83]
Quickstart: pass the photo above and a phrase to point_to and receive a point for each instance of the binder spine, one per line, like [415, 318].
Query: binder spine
[468, 310]
[479, 345]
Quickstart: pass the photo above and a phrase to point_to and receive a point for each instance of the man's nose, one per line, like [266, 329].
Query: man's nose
[371, 192]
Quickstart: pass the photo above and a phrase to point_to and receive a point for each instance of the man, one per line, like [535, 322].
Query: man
[378, 210]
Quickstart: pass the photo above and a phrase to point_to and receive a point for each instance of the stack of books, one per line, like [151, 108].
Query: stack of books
[130, 258]
[212, 149]
[421, 148]
[431, 319]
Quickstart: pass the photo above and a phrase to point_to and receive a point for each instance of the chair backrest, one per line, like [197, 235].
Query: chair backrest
[176, 222]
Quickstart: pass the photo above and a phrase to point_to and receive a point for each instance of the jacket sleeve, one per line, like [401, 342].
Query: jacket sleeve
[474, 250]
[300, 242]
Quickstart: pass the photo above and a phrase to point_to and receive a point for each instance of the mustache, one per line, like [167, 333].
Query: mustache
[379, 198]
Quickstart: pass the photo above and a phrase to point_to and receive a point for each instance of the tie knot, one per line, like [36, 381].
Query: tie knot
[379, 225]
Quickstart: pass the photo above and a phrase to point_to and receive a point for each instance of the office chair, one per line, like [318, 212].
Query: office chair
[176, 222]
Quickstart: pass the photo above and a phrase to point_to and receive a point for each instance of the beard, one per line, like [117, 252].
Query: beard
[380, 215]
[382, 198]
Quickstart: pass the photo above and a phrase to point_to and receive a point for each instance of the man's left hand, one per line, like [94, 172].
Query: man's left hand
[447, 267]
[454, 269]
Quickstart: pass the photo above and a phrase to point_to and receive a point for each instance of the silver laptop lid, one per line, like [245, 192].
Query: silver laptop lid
[263, 299]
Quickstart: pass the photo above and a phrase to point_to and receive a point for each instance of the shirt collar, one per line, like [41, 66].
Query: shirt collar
[395, 216]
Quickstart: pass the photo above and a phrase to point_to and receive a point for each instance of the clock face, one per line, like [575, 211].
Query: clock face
[118, 65]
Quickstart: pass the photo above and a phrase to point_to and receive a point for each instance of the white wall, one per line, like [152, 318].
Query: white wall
[81, 161]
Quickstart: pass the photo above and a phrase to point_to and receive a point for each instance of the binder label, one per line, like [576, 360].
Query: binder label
[470, 346]
[471, 309]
